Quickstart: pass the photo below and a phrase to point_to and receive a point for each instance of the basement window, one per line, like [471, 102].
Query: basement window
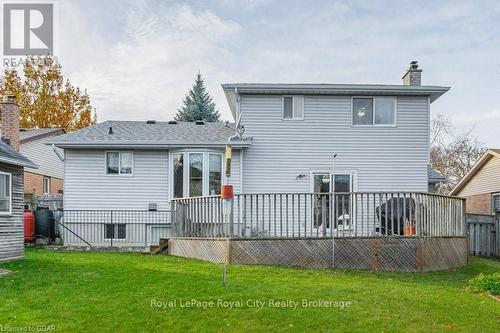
[5, 193]
[375, 111]
[119, 163]
[115, 231]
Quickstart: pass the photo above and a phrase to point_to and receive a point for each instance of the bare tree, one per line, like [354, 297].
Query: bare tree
[452, 155]
[440, 128]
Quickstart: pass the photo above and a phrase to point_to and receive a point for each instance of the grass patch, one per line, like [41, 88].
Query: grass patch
[97, 291]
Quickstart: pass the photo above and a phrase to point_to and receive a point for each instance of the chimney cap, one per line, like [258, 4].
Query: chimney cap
[414, 64]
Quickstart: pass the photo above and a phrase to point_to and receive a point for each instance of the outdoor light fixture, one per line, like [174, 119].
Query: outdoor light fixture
[300, 176]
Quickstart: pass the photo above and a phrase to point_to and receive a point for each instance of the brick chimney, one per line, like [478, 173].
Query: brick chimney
[10, 121]
[413, 76]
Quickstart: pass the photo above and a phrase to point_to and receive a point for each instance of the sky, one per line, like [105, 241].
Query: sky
[137, 59]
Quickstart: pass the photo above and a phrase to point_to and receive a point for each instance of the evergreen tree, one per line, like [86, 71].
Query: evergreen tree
[198, 104]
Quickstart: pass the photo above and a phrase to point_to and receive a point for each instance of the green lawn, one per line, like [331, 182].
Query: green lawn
[104, 292]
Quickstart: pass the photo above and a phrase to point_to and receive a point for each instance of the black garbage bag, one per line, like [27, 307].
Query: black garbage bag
[394, 212]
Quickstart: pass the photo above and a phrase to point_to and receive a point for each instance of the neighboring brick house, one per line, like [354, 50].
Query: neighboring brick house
[48, 178]
[481, 185]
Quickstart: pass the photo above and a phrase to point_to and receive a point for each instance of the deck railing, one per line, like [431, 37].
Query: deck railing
[291, 215]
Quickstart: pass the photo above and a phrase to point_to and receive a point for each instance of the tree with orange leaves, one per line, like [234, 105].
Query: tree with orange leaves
[45, 99]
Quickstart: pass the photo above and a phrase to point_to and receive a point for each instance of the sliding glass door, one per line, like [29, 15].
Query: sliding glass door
[327, 207]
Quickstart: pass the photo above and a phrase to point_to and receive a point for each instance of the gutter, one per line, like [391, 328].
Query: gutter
[18, 163]
[147, 145]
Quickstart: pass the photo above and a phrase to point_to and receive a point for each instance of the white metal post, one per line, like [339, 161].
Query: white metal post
[332, 223]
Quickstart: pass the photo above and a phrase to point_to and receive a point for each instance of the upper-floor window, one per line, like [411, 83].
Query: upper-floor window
[374, 111]
[5, 193]
[293, 107]
[119, 163]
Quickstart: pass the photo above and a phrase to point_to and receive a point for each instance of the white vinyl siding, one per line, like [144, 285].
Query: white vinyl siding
[86, 186]
[45, 157]
[385, 158]
[486, 180]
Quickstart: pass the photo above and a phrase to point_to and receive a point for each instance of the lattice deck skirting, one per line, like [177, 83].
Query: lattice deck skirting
[401, 254]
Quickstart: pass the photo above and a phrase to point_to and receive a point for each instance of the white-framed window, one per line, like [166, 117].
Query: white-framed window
[119, 162]
[196, 173]
[293, 107]
[495, 202]
[5, 193]
[375, 111]
[214, 174]
[115, 231]
[46, 185]
[178, 175]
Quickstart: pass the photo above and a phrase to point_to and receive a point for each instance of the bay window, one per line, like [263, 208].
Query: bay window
[5, 193]
[215, 174]
[178, 172]
[196, 174]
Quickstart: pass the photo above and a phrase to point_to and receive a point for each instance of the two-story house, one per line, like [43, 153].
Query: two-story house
[297, 138]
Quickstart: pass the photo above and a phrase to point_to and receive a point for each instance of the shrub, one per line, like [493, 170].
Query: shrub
[486, 283]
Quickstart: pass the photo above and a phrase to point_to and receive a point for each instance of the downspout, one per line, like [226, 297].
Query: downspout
[57, 153]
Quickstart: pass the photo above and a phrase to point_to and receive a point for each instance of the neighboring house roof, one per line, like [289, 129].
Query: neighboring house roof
[9, 155]
[434, 92]
[33, 134]
[475, 169]
[434, 176]
[140, 134]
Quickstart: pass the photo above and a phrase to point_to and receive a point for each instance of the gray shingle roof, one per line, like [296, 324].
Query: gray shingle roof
[139, 133]
[11, 156]
[27, 134]
[434, 176]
